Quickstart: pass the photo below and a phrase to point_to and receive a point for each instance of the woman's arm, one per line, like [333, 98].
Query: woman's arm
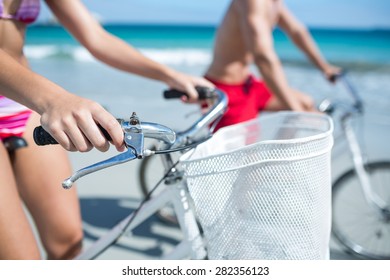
[70, 119]
[114, 51]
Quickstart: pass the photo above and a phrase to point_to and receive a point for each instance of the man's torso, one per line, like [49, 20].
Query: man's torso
[231, 58]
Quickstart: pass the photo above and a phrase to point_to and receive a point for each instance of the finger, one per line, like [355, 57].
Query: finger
[184, 99]
[111, 125]
[94, 135]
[91, 132]
[54, 129]
[63, 139]
[79, 140]
[72, 146]
[204, 83]
[192, 94]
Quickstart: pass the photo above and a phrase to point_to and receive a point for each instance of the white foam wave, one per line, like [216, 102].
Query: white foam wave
[188, 57]
[177, 57]
[41, 51]
[55, 51]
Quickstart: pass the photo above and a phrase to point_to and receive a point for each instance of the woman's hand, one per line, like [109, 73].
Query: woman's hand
[72, 121]
[187, 83]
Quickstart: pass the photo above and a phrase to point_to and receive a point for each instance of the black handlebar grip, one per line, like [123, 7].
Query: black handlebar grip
[203, 92]
[335, 77]
[42, 137]
[173, 93]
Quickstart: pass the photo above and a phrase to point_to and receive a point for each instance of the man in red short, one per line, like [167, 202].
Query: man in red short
[245, 37]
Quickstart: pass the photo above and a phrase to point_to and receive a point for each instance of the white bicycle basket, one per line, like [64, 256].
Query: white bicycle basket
[262, 189]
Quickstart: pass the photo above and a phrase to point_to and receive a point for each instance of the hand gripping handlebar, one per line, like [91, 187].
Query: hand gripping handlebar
[135, 131]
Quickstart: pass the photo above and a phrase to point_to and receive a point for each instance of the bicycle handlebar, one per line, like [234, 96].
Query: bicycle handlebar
[203, 93]
[43, 138]
[358, 102]
[211, 117]
[216, 111]
[135, 132]
[328, 107]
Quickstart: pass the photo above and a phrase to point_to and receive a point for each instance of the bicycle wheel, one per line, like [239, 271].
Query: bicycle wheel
[150, 172]
[360, 228]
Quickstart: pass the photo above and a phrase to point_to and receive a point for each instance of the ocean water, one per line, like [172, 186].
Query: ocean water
[53, 53]
[191, 45]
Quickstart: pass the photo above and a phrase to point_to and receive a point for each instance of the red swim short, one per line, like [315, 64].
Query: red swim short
[245, 100]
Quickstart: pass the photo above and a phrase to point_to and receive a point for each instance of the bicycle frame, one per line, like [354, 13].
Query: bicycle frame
[348, 112]
[192, 244]
[358, 162]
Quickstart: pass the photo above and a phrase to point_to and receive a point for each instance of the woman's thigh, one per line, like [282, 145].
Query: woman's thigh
[16, 237]
[40, 171]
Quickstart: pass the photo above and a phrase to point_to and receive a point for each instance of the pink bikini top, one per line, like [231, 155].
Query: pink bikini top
[27, 12]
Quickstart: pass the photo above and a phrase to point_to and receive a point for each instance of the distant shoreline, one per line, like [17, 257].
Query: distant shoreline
[213, 27]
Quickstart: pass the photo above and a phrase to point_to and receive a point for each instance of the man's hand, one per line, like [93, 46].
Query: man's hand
[306, 102]
[331, 72]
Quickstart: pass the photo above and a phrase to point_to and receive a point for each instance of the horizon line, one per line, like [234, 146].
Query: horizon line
[211, 25]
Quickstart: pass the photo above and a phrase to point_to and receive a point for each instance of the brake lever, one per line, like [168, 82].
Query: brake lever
[134, 142]
[118, 159]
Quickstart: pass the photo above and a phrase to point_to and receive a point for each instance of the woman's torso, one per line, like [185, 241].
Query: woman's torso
[14, 17]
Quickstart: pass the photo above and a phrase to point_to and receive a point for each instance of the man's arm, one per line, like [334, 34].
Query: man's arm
[256, 27]
[303, 39]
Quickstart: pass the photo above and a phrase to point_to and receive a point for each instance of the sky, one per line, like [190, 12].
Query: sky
[314, 13]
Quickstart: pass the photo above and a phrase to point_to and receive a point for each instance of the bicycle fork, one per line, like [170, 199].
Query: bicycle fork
[358, 162]
[193, 241]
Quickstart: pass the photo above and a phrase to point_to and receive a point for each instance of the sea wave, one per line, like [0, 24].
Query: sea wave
[186, 57]
[189, 57]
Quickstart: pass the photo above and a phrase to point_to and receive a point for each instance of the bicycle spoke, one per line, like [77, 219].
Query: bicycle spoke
[385, 186]
[378, 184]
[366, 237]
[359, 226]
